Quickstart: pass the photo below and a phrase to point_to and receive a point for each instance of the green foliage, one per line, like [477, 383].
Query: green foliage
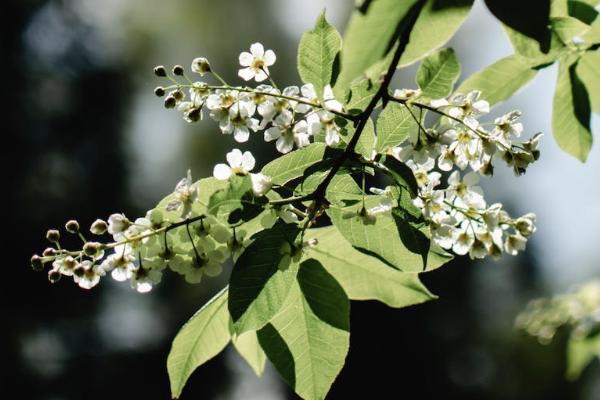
[438, 73]
[500, 80]
[259, 285]
[308, 339]
[571, 114]
[588, 70]
[248, 347]
[437, 22]
[364, 277]
[369, 35]
[199, 340]
[581, 352]
[317, 54]
[394, 126]
[237, 202]
[295, 164]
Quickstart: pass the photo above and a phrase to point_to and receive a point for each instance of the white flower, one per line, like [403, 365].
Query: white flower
[464, 239]
[405, 94]
[286, 135]
[239, 164]
[329, 100]
[463, 189]
[256, 63]
[468, 108]
[514, 244]
[507, 126]
[324, 120]
[143, 279]
[91, 275]
[525, 224]
[261, 184]
[309, 94]
[117, 224]
[422, 173]
[120, 263]
[185, 195]
[65, 265]
[200, 65]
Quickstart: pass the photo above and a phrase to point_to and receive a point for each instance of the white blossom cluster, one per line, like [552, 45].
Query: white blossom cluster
[142, 249]
[579, 308]
[289, 117]
[461, 148]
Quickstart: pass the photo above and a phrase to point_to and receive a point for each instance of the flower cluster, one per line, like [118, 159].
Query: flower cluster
[578, 308]
[289, 117]
[142, 249]
[460, 146]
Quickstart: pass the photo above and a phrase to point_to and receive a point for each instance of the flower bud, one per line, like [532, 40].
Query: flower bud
[178, 94]
[54, 276]
[170, 102]
[53, 235]
[159, 91]
[79, 270]
[91, 248]
[178, 70]
[72, 226]
[160, 71]
[49, 252]
[200, 65]
[99, 227]
[193, 115]
[37, 263]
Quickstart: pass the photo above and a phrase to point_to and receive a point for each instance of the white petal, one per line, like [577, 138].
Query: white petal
[269, 57]
[246, 73]
[248, 161]
[272, 133]
[471, 179]
[241, 134]
[261, 75]
[257, 50]
[246, 59]
[284, 144]
[331, 138]
[222, 171]
[234, 158]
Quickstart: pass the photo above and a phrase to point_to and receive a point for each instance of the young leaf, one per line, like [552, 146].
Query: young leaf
[199, 340]
[364, 277]
[571, 113]
[438, 73]
[500, 80]
[294, 164]
[308, 340]
[581, 352]
[588, 70]
[248, 347]
[436, 24]
[258, 285]
[383, 238]
[567, 28]
[394, 126]
[368, 36]
[317, 53]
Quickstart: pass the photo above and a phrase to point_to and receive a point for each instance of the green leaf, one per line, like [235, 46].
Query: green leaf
[571, 113]
[588, 70]
[206, 187]
[204, 336]
[394, 126]
[366, 141]
[500, 80]
[384, 238]
[294, 164]
[360, 95]
[402, 175]
[248, 347]
[581, 352]
[369, 35]
[364, 277]
[438, 73]
[308, 340]
[258, 286]
[317, 53]
[568, 27]
[436, 24]
[237, 201]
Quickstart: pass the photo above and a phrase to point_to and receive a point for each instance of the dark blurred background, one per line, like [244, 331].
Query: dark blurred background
[85, 137]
